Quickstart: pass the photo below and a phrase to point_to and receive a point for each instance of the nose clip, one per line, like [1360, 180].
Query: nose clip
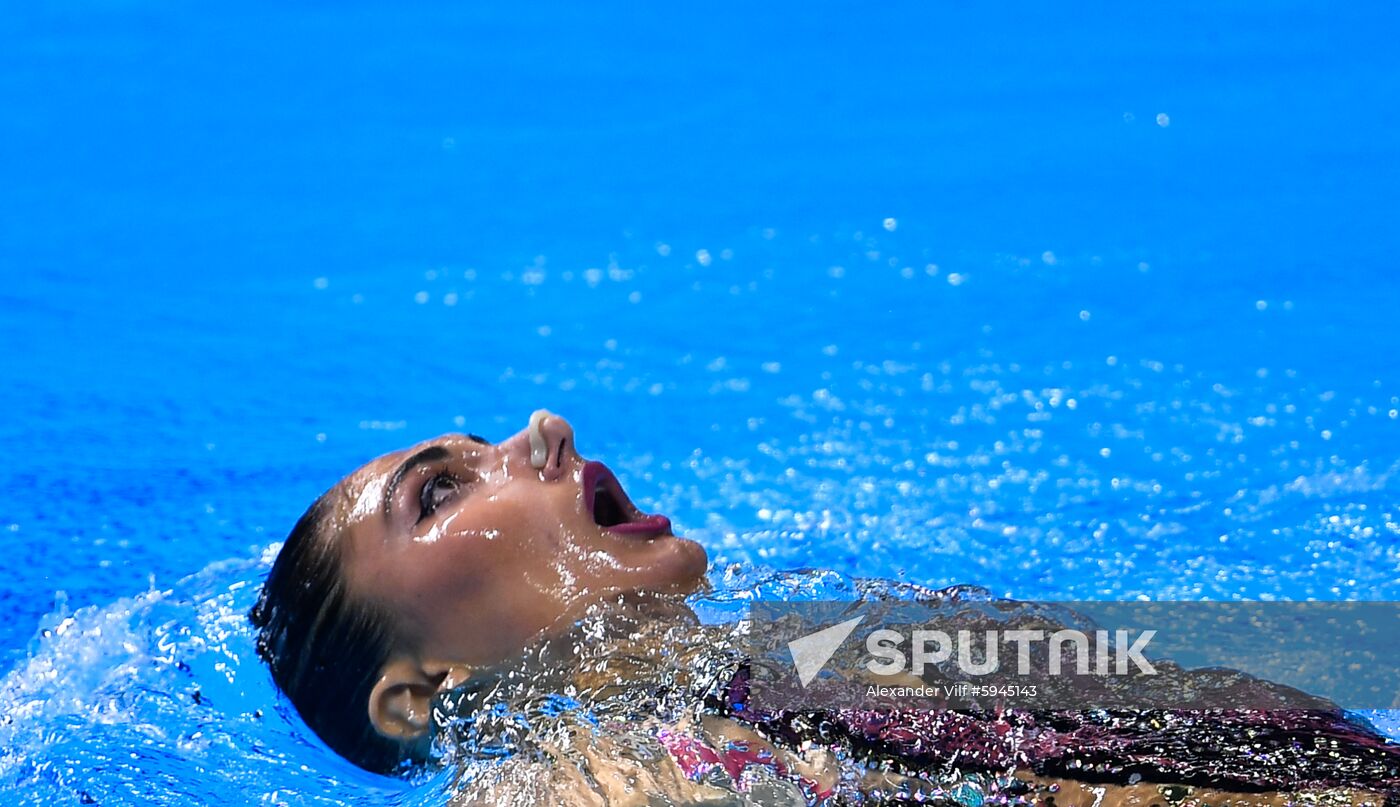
[539, 447]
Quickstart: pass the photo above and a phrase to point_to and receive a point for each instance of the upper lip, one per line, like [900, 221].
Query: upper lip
[610, 508]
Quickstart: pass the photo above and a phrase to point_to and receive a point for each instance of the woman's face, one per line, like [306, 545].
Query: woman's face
[477, 551]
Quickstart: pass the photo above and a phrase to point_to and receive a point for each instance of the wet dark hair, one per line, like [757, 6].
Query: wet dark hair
[324, 646]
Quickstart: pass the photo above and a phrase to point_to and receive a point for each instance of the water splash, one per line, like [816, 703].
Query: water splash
[159, 699]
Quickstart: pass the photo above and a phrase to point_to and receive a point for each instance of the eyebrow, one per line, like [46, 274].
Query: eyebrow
[429, 454]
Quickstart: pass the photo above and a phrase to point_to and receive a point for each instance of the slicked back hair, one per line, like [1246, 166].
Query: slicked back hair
[325, 647]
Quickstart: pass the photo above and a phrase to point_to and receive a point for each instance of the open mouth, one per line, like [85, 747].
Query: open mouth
[612, 510]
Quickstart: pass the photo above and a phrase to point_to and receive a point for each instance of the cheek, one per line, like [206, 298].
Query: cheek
[448, 560]
[437, 578]
[535, 517]
[514, 542]
[505, 541]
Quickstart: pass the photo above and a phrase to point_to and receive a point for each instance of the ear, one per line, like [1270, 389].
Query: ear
[401, 701]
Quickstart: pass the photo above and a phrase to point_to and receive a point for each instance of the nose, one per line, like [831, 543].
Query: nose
[551, 442]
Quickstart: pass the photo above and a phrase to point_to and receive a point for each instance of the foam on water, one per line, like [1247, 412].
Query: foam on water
[159, 698]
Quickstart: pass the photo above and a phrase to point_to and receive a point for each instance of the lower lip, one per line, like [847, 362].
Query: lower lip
[646, 525]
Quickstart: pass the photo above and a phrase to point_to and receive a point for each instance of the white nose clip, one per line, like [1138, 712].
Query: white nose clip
[539, 448]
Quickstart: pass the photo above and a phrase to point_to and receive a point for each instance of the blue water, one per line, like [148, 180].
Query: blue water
[1068, 303]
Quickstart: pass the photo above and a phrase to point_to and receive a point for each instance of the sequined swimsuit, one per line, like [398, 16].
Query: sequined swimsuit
[1240, 750]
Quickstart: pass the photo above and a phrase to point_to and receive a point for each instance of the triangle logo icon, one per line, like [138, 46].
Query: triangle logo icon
[811, 652]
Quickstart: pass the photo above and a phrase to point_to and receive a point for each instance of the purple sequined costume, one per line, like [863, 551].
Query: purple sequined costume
[1239, 750]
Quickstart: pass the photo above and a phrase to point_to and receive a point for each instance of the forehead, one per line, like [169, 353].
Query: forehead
[361, 492]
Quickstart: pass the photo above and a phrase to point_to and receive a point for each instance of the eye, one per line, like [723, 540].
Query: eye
[479, 439]
[437, 490]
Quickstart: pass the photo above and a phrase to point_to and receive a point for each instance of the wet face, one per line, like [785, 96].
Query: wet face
[477, 551]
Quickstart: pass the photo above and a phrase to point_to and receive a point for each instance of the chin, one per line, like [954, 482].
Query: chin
[678, 565]
[691, 562]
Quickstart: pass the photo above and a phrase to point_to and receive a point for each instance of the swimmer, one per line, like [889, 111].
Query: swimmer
[433, 569]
